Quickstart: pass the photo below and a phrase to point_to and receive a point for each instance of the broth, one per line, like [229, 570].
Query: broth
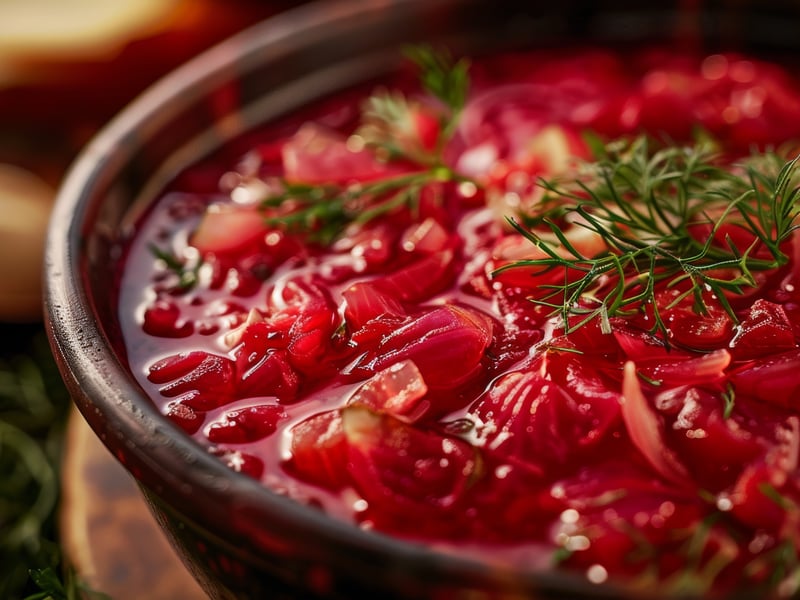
[339, 307]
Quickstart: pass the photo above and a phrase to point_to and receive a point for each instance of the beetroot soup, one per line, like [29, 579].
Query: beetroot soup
[540, 308]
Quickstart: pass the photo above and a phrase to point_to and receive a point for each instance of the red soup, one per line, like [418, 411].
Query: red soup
[539, 308]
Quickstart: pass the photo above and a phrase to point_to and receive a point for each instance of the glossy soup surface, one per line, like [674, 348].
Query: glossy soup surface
[387, 372]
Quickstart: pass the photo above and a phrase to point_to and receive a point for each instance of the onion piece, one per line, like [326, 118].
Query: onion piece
[644, 430]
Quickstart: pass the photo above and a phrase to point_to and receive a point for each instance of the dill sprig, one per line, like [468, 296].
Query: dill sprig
[442, 76]
[322, 212]
[390, 119]
[187, 274]
[659, 211]
[390, 128]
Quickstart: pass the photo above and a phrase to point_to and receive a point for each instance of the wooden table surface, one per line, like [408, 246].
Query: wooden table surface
[108, 533]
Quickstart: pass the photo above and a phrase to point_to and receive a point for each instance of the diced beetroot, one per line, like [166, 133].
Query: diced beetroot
[621, 518]
[421, 279]
[447, 344]
[426, 237]
[364, 302]
[499, 124]
[517, 420]
[316, 154]
[756, 497]
[507, 252]
[244, 284]
[397, 391]
[209, 380]
[595, 401]
[312, 317]
[218, 277]
[245, 425]
[644, 347]
[772, 379]
[262, 365]
[765, 330]
[307, 347]
[517, 309]
[427, 127]
[375, 247]
[376, 329]
[518, 328]
[258, 335]
[703, 369]
[319, 450]
[163, 319]
[241, 462]
[695, 425]
[406, 472]
[532, 422]
[687, 328]
[371, 313]
[175, 365]
[699, 332]
[184, 416]
[528, 507]
[371, 247]
[509, 346]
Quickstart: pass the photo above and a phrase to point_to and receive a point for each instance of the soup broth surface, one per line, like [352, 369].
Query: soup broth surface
[543, 310]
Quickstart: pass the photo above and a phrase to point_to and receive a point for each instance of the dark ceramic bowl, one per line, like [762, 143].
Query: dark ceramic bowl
[239, 539]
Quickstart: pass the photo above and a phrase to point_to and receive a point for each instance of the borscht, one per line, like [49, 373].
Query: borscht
[540, 308]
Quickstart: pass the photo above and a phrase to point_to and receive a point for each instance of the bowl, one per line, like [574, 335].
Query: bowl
[239, 539]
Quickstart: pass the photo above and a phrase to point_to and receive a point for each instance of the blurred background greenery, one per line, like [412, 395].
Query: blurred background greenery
[33, 413]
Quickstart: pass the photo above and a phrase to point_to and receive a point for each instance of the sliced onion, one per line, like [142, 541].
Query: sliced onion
[645, 431]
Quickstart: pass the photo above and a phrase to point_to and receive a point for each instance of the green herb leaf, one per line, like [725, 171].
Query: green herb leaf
[729, 397]
[323, 212]
[187, 274]
[441, 75]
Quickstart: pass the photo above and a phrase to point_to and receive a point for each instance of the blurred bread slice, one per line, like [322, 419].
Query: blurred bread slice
[25, 203]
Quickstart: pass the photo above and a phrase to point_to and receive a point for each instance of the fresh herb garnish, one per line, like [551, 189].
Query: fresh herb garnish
[660, 212]
[708, 550]
[729, 398]
[187, 274]
[395, 128]
[442, 76]
[773, 494]
[322, 212]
